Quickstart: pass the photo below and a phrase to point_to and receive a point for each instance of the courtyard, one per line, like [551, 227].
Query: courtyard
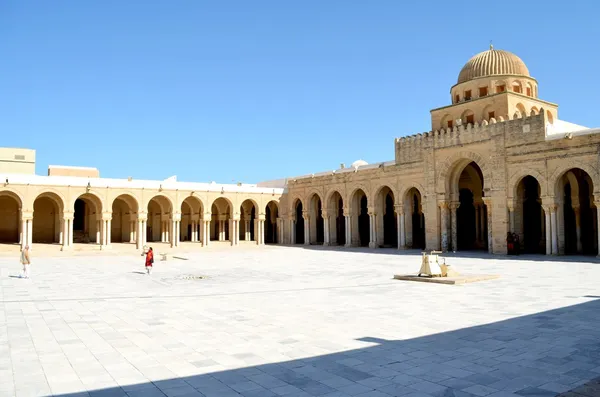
[296, 321]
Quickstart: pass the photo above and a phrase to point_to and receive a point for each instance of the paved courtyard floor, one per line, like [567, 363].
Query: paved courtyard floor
[282, 321]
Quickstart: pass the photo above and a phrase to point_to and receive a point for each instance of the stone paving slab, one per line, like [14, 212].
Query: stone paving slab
[283, 321]
[456, 280]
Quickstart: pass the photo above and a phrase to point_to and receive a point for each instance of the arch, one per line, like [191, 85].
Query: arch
[529, 89]
[527, 221]
[221, 213]
[10, 216]
[576, 213]
[249, 211]
[359, 207]
[316, 222]
[386, 226]
[568, 165]
[467, 117]
[414, 217]
[124, 219]
[330, 195]
[453, 166]
[518, 175]
[160, 210]
[550, 117]
[444, 121]
[14, 194]
[298, 211]
[534, 111]
[87, 216]
[54, 195]
[485, 113]
[271, 224]
[516, 86]
[311, 194]
[337, 222]
[355, 188]
[522, 109]
[48, 207]
[192, 210]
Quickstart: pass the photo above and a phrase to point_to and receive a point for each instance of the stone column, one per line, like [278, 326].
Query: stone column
[348, 226]
[401, 226]
[247, 224]
[454, 224]
[477, 224]
[511, 217]
[372, 229]
[261, 230]
[577, 210]
[131, 231]
[554, 226]
[597, 204]
[307, 224]
[23, 238]
[444, 224]
[99, 231]
[488, 208]
[326, 231]
[292, 231]
[206, 233]
[67, 226]
[175, 230]
[548, 230]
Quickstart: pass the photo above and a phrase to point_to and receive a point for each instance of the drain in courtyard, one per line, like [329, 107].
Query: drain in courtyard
[191, 277]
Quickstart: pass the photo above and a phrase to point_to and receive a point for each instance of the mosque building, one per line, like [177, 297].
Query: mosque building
[497, 160]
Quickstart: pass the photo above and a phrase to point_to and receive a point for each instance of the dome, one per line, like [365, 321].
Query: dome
[359, 163]
[490, 63]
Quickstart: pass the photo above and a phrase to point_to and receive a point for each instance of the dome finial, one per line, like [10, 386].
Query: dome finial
[491, 45]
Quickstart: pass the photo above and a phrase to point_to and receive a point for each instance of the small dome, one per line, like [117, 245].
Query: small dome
[492, 62]
[359, 163]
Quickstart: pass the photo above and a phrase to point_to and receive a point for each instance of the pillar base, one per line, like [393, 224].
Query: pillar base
[373, 245]
[401, 248]
[326, 244]
[348, 245]
[63, 248]
[105, 247]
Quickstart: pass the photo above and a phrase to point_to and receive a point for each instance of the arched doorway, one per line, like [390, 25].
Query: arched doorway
[316, 222]
[471, 214]
[248, 219]
[299, 225]
[414, 219]
[577, 218]
[10, 218]
[387, 227]
[159, 227]
[87, 219]
[529, 216]
[361, 235]
[337, 222]
[124, 219]
[221, 215]
[47, 219]
[271, 223]
[191, 211]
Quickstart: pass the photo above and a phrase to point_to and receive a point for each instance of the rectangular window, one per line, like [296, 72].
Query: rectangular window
[482, 91]
[491, 115]
[517, 89]
[467, 95]
[499, 89]
[19, 157]
[470, 119]
[528, 91]
[456, 99]
[449, 123]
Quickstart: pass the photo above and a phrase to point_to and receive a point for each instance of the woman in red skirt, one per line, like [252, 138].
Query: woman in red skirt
[149, 260]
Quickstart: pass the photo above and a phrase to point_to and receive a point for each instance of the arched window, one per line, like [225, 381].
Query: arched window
[516, 87]
[468, 117]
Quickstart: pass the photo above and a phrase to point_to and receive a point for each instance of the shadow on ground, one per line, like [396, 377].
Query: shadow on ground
[459, 254]
[540, 355]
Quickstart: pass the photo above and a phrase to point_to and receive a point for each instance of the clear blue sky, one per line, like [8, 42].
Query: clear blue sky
[257, 90]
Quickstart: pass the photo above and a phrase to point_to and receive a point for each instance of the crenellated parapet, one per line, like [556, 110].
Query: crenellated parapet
[516, 128]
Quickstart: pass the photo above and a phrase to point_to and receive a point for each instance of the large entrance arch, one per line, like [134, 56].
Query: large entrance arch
[298, 228]
[47, 223]
[337, 222]
[158, 228]
[10, 218]
[191, 210]
[468, 210]
[316, 223]
[272, 228]
[361, 235]
[576, 216]
[88, 225]
[220, 223]
[124, 219]
[386, 225]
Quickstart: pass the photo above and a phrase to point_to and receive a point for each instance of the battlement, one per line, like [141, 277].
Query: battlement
[411, 148]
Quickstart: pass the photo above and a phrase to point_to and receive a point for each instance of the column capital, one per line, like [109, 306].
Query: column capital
[399, 208]
[454, 205]
[107, 216]
[510, 204]
[576, 208]
[27, 215]
[347, 211]
[68, 215]
[443, 204]
[487, 201]
[324, 213]
[550, 208]
[261, 217]
[142, 216]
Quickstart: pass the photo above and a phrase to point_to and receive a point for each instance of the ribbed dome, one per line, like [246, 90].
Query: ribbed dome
[492, 62]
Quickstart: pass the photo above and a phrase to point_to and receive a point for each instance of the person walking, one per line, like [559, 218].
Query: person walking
[26, 262]
[149, 260]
